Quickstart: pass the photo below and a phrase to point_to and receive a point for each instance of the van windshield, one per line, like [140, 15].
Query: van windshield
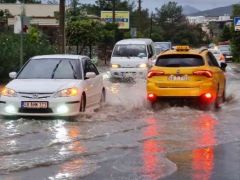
[130, 50]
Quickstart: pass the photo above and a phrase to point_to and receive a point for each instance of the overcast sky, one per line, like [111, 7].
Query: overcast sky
[199, 4]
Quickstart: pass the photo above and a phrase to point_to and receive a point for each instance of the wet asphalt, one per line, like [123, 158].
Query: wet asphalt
[127, 140]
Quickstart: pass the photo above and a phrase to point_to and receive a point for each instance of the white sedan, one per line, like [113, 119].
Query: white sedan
[53, 85]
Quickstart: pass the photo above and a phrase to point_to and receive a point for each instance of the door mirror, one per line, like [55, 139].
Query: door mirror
[223, 66]
[12, 75]
[90, 75]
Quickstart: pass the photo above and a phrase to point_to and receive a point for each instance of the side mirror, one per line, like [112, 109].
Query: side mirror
[223, 66]
[12, 75]
[90, 75]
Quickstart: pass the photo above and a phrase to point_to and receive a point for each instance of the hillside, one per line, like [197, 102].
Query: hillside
[221, 11]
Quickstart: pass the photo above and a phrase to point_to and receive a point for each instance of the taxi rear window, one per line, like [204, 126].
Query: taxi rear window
[179, 61]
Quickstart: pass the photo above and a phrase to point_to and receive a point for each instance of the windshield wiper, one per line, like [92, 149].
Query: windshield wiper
[54, 70]
[74, 72]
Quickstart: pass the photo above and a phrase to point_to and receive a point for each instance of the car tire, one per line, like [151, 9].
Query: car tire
[103, 97]
[82, 103]
[220, 100]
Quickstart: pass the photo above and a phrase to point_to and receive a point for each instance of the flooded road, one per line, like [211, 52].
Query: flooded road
[126, 140]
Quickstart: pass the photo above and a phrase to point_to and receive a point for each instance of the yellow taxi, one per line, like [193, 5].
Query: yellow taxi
[189, 74]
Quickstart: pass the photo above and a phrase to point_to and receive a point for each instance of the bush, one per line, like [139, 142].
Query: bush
[10, 51]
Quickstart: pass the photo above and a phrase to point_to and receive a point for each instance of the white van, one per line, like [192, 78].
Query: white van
[132, 57]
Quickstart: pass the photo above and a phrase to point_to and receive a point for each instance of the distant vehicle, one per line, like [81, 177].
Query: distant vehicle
[226, 50]
[187, 74]
[53, 85]
[218, 55]
[162, 46]
[132, 58]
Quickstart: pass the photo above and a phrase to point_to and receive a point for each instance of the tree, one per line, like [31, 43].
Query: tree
[171, 25]
[235, 41]
[9, 50]
[82, 33]
[226, 34]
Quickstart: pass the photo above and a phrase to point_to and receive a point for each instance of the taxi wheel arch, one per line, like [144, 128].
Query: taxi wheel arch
[82, 102]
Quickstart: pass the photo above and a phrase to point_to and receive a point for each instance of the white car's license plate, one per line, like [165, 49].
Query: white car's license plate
[34, 104]
[178, 78]
[228, 56]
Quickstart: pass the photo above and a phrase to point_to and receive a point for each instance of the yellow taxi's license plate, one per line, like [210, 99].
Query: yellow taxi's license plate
[178, 78]
[34, 104]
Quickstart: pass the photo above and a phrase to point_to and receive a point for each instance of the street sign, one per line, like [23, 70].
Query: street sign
[237, 23]
[121, 17]
[21, 24]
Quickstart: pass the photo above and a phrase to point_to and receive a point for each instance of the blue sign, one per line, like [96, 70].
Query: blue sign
[237, 23]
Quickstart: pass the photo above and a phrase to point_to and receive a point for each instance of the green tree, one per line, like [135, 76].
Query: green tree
[226, 34]
[83, 33]
[235, 41]
[10, 50]
[171, 25]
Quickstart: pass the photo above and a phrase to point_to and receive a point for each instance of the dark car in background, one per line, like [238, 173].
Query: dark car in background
[226, 51]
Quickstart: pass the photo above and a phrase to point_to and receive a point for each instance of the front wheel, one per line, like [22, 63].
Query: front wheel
[82, 104]
[103, 97]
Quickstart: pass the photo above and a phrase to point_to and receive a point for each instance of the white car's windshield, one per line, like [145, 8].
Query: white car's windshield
[130, 50]
[50, 69]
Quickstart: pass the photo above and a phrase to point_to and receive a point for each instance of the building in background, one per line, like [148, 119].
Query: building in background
[43, 16]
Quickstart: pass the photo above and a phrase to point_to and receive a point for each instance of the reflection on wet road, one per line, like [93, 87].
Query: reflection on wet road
[126, 140]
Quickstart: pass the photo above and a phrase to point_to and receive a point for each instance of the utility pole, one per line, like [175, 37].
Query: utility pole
[151, 24]
[21, 35]
[139, 14]
[113, 10]
[62, 26]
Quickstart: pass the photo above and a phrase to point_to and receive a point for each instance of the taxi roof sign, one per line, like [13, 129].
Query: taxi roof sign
[182, 48]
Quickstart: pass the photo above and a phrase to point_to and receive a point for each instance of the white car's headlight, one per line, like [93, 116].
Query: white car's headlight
[144, 65]
[68, 92]
[8, 92]
[115, 66]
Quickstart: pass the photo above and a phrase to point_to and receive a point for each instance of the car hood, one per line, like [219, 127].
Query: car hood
[41, 85]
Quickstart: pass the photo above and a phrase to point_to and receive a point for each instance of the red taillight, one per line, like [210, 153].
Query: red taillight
[151, 97]
[155, 73]
[208, 95]
[205, 73]
[207, 98]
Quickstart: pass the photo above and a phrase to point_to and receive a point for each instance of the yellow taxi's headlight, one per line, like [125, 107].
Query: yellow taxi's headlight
[142, 65]
[115, 66]
[8, 92]
[68, 92]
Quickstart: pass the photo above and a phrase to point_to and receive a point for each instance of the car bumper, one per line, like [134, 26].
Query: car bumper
[181, 91]
[11, 106]
[129, 72]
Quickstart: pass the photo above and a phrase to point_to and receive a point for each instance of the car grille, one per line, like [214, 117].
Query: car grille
[34, 110]
[35, 95]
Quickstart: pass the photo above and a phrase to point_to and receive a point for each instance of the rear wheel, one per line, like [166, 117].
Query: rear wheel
[220, 100]
[82, 103]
